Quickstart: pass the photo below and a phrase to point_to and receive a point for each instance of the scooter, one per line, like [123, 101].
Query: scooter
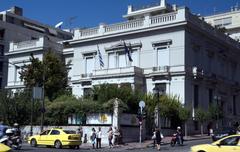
[13, 142]
[175, 139]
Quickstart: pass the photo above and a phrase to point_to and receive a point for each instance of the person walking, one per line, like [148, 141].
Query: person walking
[93, 138]
[154, 137]
[99, 137]
[158, 138]
[110, 137]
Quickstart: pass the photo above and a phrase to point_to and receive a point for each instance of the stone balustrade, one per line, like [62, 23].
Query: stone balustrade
[26, 44]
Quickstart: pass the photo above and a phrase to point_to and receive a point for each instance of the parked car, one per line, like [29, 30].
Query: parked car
[226, 144]
[223, 132]
[57, 138]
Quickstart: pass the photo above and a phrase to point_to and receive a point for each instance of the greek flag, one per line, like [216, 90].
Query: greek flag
[100, 57]
[127, 51]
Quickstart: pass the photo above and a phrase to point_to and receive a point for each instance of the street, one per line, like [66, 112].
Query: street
[184, 148]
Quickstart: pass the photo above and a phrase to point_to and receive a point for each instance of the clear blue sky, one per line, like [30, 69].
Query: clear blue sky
[89, 13]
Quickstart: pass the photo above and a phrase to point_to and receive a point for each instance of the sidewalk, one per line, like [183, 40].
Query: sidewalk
[145, 144]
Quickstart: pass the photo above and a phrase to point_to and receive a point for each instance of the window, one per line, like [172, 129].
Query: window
[210, 96]
[195, 91]
[87, 92]
[111, 60]
[55, 132]
[89, 65]
[223, 22]
[122, 59]
[1, 49]
[1, 66]
[231, 141]
[162, 56]
[45, 132]
[1, 34]
[234, 106]
[135, 58]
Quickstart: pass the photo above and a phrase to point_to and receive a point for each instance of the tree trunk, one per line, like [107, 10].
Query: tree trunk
[185, 126]
[201, 129]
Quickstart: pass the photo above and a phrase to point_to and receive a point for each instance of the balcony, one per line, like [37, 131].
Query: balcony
[27, 45]
[117, 72]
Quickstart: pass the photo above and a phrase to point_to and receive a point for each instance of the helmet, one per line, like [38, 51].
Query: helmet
[178, 127]
[15, 124]
[9, 131]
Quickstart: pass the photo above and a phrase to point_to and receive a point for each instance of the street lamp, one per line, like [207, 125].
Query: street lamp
[157, 93]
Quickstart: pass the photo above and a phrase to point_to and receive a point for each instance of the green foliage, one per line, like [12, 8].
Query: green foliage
[169, 106]
[184, 114]
[215, 112]
[201, 115]
[105, 92]
[16, 107]
[51, 72]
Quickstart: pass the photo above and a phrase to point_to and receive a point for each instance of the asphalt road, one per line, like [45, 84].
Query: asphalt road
[184, 148]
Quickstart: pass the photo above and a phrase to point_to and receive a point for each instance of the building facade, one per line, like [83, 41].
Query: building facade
[229, 20]
[162, 46]
[14, 27]
[172, 50]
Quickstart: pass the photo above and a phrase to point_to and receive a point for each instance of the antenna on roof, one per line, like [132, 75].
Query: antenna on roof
[70, 21]
[214, 10]
[58, 25]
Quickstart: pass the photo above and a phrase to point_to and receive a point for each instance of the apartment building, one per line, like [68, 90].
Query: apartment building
[229, 20]
[14, 27]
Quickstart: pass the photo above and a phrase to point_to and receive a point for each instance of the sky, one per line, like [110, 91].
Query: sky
[90, 13]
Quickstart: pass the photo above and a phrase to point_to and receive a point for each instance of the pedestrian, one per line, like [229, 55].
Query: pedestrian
[238, 130]
[99, 137]
[158, 138]
[179, 135]
[110, 137]
[80, 131]
[116, 136]
[93, 138]
[154, 137]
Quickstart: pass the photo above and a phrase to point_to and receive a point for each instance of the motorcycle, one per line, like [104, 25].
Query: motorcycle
[175, 139]
[11, 140]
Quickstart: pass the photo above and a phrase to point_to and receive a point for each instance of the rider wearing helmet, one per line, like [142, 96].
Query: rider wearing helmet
[179, 135]
[17, 131]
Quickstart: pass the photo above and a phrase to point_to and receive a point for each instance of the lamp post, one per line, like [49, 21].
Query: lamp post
[157, 93]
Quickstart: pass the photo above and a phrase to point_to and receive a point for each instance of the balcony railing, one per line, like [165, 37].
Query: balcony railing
[26, 44]
[131, 25]
[124, 26]
[163, 18]
[117, 71]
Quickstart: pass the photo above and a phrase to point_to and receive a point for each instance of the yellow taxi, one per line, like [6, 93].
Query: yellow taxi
[56, 137]
[4, 148]
[226, 144]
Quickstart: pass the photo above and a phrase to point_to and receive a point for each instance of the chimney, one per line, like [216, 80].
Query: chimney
[163, 3]
[16, 10]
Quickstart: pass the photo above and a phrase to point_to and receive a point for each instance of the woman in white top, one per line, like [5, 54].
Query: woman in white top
[99, 137]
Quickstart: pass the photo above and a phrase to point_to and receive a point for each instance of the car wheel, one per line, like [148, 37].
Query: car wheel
[201, 151]
[58, 144]
[72, 147]
[33, 143]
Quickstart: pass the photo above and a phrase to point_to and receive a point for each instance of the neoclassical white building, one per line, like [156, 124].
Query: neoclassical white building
[171, 49]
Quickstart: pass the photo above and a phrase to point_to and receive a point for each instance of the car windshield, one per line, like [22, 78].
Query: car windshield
[69, 131]
[224, 130]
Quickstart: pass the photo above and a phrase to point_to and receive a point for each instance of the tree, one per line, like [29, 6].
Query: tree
[215, 112]
[51, 72]
[184, 115]
[16, 107]
[201, 116]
